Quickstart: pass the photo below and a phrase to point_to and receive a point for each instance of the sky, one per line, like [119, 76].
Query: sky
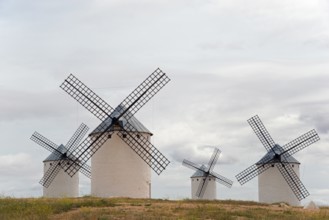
[227, 60]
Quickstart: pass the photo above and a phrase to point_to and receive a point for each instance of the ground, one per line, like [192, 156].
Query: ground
[126, 208]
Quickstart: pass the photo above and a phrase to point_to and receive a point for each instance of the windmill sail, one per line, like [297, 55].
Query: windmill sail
[98, 107]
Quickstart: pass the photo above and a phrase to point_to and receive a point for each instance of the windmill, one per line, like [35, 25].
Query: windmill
[55, 181]
[126, 144]
[204, 179]
[281, 182]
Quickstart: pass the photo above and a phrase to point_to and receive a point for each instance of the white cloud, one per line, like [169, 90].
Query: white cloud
[15, 164]
[19, 175]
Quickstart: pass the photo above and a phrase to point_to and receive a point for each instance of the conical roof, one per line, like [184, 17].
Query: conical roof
[133, 121]
[200, 173]
[54, 156]
[277, 149]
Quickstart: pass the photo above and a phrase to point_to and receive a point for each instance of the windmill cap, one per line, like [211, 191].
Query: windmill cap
[200, 173]
[277, 150]
[55, 157]
[133, 121]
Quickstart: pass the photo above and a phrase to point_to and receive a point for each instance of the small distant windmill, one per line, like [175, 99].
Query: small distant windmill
[56, 182]
[281, 183]
[204, 180]
[128, 175]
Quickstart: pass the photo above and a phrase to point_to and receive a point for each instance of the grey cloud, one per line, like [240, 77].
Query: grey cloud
[15, 162]
[17, 105]
[222, 45]
[199, 155]
[319, 119]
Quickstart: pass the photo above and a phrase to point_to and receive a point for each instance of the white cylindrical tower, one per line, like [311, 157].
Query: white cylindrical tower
[210, 191]
[116, 169]
[272, 187]
[62, 185]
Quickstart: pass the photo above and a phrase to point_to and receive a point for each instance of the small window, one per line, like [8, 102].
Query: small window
[124, 135]
[293, 165]
[51, 164]
[138, 136]
[197, 179]
[109, 136]
[272, 165]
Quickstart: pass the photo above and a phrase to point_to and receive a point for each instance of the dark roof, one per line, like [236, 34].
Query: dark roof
[55, 157]
[133, 121]
[277, 149]
[200, 173]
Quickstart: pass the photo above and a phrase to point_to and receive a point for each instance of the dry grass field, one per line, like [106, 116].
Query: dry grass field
[125, 208]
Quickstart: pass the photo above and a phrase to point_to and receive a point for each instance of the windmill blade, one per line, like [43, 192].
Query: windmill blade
[293, 181]
[86, 170]
[52, 172]
[46, 143]
[85, 151]
[50, 175]
[261, 132]
[87, 148]
[77, 137]
[83, 168]
[250, 173]
[144, 148]
[194, 166]
[221, 179]
[254, 170]
[143, 93]
[86, 97]
[202, 187]
[213, 159]
[300, 143]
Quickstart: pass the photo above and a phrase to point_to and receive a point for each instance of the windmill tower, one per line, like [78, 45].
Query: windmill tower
[120, 162]
[203, 181]
[280, 182]
[121, 166]
[56, 182]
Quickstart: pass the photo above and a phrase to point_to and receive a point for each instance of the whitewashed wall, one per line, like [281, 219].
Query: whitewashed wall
[209, 194]
[117, 171]
[273, 188]
[63, 185]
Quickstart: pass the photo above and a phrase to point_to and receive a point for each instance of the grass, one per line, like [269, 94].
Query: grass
[89, 208]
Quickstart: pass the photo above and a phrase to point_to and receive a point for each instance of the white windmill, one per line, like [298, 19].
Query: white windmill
[280, 182]
[121, 166]
[126, 173]
[62, 185]
[56, 182]
[272, 187]
[203, 181]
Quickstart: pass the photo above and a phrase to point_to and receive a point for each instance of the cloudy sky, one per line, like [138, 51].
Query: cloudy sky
[228, 60]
